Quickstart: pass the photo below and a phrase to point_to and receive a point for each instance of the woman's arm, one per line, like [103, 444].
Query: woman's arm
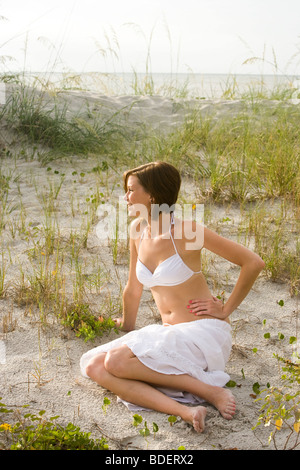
[131, 301]
[251, 265]
[133, 290]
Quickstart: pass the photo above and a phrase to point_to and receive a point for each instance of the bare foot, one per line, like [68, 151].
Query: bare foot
[197, 418]
[224, 401]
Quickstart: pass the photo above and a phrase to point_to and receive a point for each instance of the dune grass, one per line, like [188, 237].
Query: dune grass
[249, 160]
[37, 115]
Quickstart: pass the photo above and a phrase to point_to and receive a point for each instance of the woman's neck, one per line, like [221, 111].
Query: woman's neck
[159, 225]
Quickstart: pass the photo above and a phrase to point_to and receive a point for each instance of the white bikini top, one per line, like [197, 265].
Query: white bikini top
[170, 272]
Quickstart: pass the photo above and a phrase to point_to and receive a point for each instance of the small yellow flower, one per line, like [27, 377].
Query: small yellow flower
[54, 273]
[278, 424]
[5, 427]
[42, 253]
[194, 207]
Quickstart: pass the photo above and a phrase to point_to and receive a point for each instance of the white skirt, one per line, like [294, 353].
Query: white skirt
[199, 348]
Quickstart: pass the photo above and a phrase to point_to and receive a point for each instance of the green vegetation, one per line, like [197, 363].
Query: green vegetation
[85, 324]
[281, 406]
[38, 115]
[30, 431]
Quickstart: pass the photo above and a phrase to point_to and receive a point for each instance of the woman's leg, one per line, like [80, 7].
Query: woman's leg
[142, 394]
[122, 363]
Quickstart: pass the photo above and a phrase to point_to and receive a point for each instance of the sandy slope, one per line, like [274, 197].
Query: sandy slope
[39, 364]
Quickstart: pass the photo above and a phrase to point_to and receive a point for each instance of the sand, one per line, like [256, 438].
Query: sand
[39, 360]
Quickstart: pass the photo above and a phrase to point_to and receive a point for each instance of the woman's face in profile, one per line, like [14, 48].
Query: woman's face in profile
[137, 198]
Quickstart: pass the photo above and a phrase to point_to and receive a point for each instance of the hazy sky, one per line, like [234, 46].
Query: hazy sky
[202, 36]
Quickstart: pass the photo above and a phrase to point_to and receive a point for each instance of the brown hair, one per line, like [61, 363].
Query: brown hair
[160, 179]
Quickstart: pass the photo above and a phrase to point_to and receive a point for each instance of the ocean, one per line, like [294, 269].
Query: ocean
[177, 85]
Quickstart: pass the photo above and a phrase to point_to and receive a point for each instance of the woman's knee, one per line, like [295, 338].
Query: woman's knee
[95, 368]
[116, 361]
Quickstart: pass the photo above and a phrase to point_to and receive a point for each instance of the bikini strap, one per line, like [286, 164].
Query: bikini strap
[142, 236]
[170, 230]
[173, 223]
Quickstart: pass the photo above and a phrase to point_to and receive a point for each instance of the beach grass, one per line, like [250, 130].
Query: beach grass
[37, 116]
[57, 168]
[250, 159]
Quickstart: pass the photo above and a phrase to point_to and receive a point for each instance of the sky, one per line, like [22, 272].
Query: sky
[159, 36]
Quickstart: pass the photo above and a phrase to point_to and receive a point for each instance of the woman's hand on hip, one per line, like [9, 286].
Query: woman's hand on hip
[213, 307]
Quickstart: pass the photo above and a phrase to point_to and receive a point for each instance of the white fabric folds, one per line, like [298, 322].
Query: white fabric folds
[199, 348]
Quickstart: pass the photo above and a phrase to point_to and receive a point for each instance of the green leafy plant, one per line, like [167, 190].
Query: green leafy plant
[85, 324]
[137, 420]
[281, 407]
[145, 431]
[172, 419]
[106, 403]
[154, 428]
[35, 432]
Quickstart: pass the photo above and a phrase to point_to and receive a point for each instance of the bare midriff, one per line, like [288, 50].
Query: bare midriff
[172, 301]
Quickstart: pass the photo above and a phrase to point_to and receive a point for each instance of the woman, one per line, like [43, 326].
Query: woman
[163, 367]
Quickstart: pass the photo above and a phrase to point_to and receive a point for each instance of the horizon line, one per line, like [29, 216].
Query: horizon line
[233, 74]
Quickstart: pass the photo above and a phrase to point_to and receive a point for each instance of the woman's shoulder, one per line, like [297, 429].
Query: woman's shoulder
[191, 232]
[136, 227]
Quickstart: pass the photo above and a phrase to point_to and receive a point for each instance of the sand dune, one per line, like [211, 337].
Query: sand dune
[39, 362]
